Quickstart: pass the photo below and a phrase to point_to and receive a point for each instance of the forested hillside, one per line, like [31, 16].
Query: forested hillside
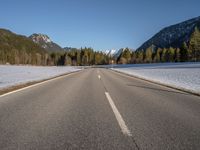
[189, 51]
[45, 42]
[18, 49]
[173, 36]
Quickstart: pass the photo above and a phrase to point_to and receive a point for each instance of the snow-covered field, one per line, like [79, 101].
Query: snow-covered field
[184, 76]
[16, 75]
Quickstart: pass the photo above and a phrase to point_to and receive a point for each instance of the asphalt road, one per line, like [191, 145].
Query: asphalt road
[99, 109]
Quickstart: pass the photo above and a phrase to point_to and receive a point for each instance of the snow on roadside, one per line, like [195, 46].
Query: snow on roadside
[16, 75]
[184, 76]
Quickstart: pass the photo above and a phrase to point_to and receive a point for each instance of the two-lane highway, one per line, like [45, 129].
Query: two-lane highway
[99, 109]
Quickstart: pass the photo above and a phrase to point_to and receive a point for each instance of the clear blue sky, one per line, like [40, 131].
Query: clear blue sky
[101, 24]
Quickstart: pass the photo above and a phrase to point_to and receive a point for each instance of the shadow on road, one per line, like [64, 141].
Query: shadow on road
[157, 89]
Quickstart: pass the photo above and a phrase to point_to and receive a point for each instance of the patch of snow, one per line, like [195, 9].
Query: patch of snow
[37, 38]
[44, 46]
[179, 75]
[45, 38]
[106, 52]
[118, 53]
[48, 40]
[110, 52]
[16, 75]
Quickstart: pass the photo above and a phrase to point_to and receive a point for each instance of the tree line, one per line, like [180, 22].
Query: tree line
[80, 57]
[74, 57]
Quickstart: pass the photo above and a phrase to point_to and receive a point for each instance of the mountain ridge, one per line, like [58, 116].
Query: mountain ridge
[19, 49]
[17, 41]
[173, 35]
[44, 41]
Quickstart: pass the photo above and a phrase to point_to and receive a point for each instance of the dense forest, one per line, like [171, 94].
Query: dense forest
[80, 57]
[75, 57]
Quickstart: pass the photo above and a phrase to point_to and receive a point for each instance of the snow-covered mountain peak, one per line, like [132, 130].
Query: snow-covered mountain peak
[110, 52]
[37, 38]
[45, 42]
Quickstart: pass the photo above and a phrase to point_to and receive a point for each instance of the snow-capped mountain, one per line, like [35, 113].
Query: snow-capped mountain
[118, 53]
[45, 42]
[110, 52]
[115, 53]
[173, 35]
[10, 41]
[67, 48]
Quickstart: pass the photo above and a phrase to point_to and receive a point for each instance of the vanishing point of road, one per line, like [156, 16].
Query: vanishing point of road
[99, 109]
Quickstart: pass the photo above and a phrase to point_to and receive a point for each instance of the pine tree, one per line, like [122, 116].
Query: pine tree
[158, 55]
[163, 55]
[148, 55]
[184, 52]
[140, 56]
[126, 56]
[133, 57]
[78, 58]
[68, 60]
[177, 55]
[170, 54]
[194, 44]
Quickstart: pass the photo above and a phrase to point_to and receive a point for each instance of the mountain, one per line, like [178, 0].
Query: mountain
[19, 49]
[45, 42]
[67, 49]
[110, 52]
[118, 53]
[11, 41]
[173, 36]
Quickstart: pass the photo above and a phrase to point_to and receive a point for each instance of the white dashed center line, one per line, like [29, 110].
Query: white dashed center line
[118, 116]
[99, 77]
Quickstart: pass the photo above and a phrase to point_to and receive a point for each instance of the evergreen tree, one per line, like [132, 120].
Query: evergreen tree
[157, 57]
[78, 58]
[68, 60]
[53, 58]
[133, 57]
[148, 55]
[139, 57]
[194, 44]
[184, 52]
[163, 55]
[125, 57]
[177, 55]
[170, 55]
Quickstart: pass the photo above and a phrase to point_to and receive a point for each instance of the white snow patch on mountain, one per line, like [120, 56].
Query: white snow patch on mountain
[110, 52]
